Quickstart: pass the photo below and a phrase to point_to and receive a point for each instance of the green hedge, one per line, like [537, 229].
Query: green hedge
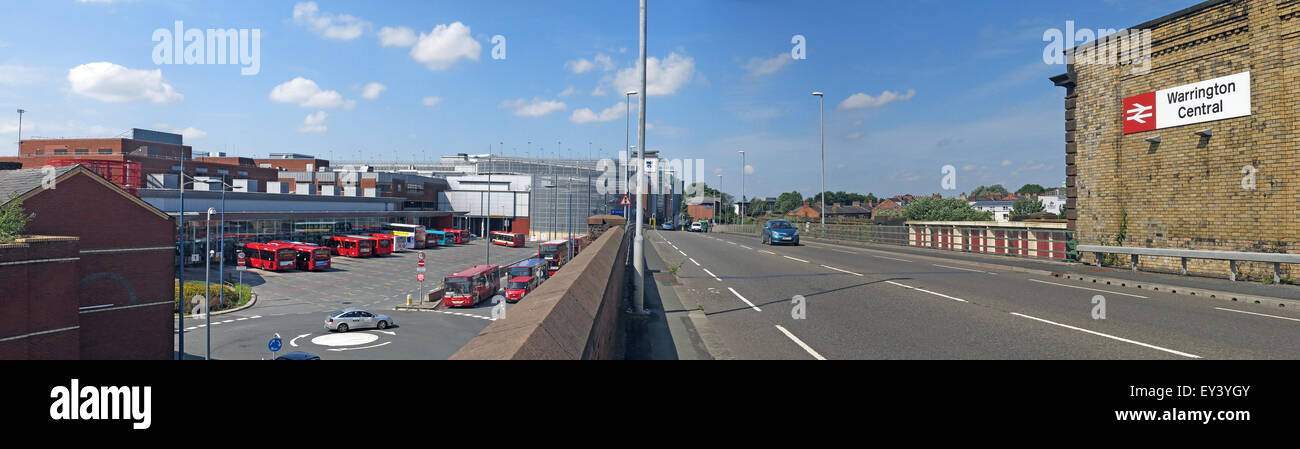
[235, 295]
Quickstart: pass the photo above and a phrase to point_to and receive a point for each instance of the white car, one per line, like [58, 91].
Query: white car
[346, 319]
[695, 227]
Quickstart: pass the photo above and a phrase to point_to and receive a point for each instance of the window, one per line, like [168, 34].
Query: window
[201, 170]
[83, 151]
[242, 173]
[60, 152]
[39, 151]
[105, 151]
[223, 172]
[176, 168]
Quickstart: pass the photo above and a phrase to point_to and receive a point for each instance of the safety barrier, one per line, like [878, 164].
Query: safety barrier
[1025, 239]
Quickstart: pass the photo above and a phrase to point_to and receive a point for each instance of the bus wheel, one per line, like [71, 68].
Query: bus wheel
[344, 327]
[384, 324]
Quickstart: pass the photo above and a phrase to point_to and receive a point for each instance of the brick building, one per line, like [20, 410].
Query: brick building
[100, 286]
[1152, 179]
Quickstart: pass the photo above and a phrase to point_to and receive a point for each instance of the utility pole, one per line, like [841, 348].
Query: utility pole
[638, 247]
[742, 187]
[821, 126]
[207, 282]
[20, 130]
[487, 216]
[180, 239]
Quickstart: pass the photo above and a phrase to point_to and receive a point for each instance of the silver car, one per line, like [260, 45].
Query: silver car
[346, 319]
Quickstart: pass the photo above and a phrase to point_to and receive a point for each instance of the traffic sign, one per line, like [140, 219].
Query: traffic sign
[419, 277]
[421, 256]
[275, 344]
[240, 259]
[625, 201]
[420, 263]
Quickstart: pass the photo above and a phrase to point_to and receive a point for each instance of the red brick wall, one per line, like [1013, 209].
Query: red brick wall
[38, 297]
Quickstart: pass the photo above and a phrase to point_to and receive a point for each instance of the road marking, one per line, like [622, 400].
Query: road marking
[792, 258]
[706, 270]
[242, 319]
[842, 271]
[964, 269]
[1253, 313]
[767, 252]
[742, 298]
[294, 342]
[746, 247]
[693, 261]
[890, 258]
[926, 291]
[800, 343]
[732, 243]
[1171, 351]
[1092, 289]
[683, 254]
[363, 347]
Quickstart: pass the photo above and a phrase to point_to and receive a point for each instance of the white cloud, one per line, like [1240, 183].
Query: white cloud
[535, 108]
[582, 65]
[108, 82]
[446, 44]
[314, 123]
[760, 66]
[861, 100]
[330, 26]
[191, 133]
[969, 167]
[431, 101]
[749, 169]
[397, 37]
[372, 90]
[662, 77]
[566, 92]
[304, 92]
[854, 136]
[598, 92]
[585, 115]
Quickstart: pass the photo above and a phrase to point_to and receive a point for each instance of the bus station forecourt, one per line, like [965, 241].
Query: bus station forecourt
[292, 303]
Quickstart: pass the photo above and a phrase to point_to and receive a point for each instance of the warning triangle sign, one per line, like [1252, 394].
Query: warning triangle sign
[625, 201]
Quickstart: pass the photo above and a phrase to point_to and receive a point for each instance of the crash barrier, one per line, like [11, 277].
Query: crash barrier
[571, 316]
[1026, 239]
[1277, 259]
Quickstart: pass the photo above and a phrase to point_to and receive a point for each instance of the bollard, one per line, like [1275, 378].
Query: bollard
[408, 299]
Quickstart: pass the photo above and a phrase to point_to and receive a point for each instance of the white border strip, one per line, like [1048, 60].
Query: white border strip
[1112, 337]
[800, 343]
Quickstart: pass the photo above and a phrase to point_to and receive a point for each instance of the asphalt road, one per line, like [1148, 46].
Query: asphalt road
[294, 304]
[870, 304]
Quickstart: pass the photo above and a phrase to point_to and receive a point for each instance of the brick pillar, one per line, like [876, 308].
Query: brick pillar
[1067, 81]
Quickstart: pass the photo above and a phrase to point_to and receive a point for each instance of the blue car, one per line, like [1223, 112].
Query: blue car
[667, 226]
[780, 231]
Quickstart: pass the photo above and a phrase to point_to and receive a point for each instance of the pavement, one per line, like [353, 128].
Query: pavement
[824, 301]
[294, 304]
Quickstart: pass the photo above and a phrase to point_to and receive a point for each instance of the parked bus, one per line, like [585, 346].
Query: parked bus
[535, 267]
[511, 239]
[341, 245]
[518, 287]
[414, 234]
[439, 238]
[389, 241]
[460, 235]
[578, 243]
[467, 287]
[308, 257]
[265, 256]
[378, 246]
[556, 254]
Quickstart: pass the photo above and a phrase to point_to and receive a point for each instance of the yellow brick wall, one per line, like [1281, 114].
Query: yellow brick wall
[1186, 192]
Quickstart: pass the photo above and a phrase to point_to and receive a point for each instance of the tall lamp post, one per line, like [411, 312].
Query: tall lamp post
[207, 282]
[742, 187]
[638, 246]
[718, 213]
[20, 129]
[627, 143]
[821, 127]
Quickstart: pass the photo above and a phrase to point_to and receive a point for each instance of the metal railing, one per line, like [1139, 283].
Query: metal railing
[1024, 240]
[1277, 259]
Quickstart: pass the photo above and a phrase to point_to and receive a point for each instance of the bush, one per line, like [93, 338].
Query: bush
[13, 222]
[944, 209]
[235, 296]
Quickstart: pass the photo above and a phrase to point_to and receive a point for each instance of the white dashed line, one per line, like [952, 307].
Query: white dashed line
[715, 277]
[746, 247]
[680, 251]
[766, 252]
[742, 298]
[963, 269]
[1112, 337]
[842, 271]
[793, 258]
[693, 261]
[1086, 288]
[890, 258]
[926, 291]
[1253, 313]
[800, 343]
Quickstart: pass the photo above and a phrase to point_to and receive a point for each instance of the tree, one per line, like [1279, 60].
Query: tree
[842, 197]
[1031, 189]
[944, 209]
[1026, 206]
[756, 208]
[993, 191]
[13, 222]
[787, 202]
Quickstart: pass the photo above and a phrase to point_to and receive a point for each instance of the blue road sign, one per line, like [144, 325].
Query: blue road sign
[618, 212]
[275, 344]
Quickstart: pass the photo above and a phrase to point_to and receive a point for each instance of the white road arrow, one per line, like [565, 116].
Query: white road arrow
[388, 332]
[295, 339]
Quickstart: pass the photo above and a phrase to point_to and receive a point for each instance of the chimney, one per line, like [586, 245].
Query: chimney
[837, 206]
[857, 204]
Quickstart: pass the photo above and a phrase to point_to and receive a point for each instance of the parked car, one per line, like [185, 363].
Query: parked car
[298, 356]
[667, 226]
[348, 319]
[779, 231]
[697, 226]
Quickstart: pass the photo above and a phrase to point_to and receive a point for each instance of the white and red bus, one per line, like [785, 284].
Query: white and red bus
[414, 234]
[308, 257]
[511, 239]
[556, 254]
[386, 243]
[341, 245]
[458, 235]
[467, 287]
[269, 257]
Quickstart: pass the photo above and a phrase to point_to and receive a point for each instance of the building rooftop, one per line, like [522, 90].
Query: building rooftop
[14, 183]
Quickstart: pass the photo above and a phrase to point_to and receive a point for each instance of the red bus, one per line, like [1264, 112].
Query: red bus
[469, 286]
[511, 239]
[374, 244]
[578, 242]
[309, 257]
[270, 257]
[383, 244]
[556, 254]
[340, 245]
[460, 235]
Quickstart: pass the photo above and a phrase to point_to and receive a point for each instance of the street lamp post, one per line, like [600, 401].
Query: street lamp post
[487, 216]
[821, 127]
[207, 281]
[720, 193]
[742, 187]
[627, 142]
[638, 247]
[20, 129]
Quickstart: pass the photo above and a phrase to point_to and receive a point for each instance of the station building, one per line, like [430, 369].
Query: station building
[1196, 146]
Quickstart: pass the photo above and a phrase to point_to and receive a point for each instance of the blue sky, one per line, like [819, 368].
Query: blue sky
[911, 86]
